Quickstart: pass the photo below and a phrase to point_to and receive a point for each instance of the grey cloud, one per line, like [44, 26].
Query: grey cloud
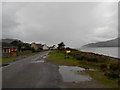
[9, 19]
[74, 23]
[0, 20]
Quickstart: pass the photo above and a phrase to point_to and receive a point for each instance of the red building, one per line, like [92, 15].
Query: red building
[9, 48]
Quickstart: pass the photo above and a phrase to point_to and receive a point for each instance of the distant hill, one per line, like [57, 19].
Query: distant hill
[8, 40]
[110, 43]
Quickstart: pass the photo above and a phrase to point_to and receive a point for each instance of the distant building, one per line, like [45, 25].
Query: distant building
[39, 46]
[45, 47]
[33, 45]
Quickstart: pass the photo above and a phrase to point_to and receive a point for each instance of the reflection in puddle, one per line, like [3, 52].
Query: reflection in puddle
[70, 74]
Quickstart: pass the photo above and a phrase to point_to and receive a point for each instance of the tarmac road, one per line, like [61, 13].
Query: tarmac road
[29, 73]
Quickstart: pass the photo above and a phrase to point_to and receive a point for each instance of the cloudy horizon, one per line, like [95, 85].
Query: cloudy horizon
[74, 23]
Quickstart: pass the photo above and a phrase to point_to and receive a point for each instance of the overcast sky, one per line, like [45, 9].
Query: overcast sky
[75, 24]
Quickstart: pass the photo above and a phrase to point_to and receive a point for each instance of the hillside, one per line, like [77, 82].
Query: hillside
[110, 43]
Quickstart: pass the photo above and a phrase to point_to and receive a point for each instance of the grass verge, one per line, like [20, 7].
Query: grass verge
[15, 57]
[59, 59]
[99, 76]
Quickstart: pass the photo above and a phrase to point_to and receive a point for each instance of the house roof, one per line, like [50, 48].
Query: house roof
[7, 45]
[39, 45]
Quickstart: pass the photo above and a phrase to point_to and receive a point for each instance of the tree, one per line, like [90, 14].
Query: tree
[17, 43]
[33, 50]
[68, 48]
[26, 46]
[61, 46]
[21, 46]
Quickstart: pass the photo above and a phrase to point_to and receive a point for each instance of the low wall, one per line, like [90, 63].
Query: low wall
[4, 55]
[24, 52]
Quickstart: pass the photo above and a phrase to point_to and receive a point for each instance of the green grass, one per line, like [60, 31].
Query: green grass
[9, 59]
[99, 76]
[15, 57]
[59, 59]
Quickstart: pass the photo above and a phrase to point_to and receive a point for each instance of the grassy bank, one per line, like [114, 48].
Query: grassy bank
[59, 58]
[99, 76]
[15, 57]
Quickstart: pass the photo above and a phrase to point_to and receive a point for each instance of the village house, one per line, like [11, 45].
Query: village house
[39, 46]
[9, 48]
[34, 45]
[45, 47]
[14, 47]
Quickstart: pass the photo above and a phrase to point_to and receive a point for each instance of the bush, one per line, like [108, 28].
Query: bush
[32, 49]
[114, 66]
[103, 67]
[112, 75]
[79, 57]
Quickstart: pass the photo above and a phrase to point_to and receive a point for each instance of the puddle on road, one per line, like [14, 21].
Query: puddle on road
[38, 61]
[70, 74]
[44, 56]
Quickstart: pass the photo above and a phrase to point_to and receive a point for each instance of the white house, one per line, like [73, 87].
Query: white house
[45, 47]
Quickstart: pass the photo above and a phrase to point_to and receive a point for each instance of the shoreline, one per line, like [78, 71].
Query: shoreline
[102, 51]
[102, 55]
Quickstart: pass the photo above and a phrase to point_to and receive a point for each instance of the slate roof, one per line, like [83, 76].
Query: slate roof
[7, 45]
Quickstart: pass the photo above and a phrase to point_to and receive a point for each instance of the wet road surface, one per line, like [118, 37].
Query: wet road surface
[35, 72]
[31, 72]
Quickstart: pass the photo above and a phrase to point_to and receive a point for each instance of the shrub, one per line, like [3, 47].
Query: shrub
[79, 57]
[103, 67]
[112, 75]
[114, 66]
[32, 49]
